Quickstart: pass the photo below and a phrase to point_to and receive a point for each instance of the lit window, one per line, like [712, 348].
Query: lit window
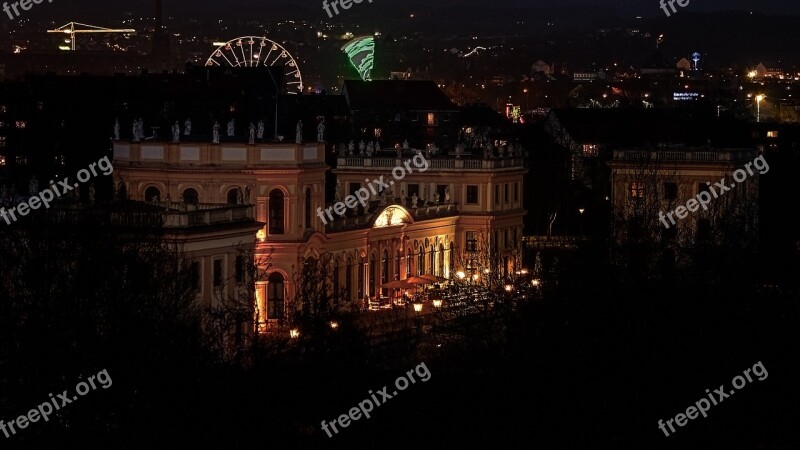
[21, 124]
[471, 242]
[772, 134]
[589, 150]
[637, 189]
[431, 119]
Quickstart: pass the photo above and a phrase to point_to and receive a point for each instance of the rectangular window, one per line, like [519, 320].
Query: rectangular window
[217, 272]
[670, 191]
[772, 134]
[413, 189]
[702, 187]
[194, 275]
[505, 193]
[239, 268]
[431, 119]
[471, 242]
[516, 192]
[703, 229]
[637, 189]
[496, 194]
[472, 194]
[440, 189]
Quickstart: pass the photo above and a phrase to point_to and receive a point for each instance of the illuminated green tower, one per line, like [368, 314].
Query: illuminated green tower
[361, 52]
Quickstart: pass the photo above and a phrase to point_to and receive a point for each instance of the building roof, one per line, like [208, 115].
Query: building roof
[410, 95]
[636, 127]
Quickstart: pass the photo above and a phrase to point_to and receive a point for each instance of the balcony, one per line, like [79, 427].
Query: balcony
[151, 215]
[203, 154]
[438, 162]
[702, 155]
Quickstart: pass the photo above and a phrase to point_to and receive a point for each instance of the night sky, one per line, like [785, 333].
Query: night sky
[239, 9]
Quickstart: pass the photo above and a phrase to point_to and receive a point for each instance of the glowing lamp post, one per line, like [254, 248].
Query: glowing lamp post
[418, 306]
[294, 333]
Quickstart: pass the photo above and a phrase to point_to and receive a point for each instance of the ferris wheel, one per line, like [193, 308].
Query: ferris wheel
[258, 51]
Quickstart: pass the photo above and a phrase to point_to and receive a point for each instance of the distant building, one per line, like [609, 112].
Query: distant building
[653, 181]
[584, 76]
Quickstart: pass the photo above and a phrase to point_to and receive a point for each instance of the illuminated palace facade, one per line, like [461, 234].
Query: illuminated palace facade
[403, 231]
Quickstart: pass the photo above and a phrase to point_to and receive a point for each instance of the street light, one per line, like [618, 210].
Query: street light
[527, 100]
[461, 275]
[759, 97]
[294, 333]
[437, 303]
[418, 306]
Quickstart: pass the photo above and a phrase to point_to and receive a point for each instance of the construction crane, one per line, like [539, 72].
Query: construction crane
[73, 28]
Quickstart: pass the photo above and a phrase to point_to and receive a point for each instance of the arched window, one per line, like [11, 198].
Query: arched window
[122, 192]
[308, 207]
[397, 265]
[421, 261]
[348, 279]
[275, 295]
[432, 259]
[152, 194]
[336, 279]
[361, 268]
[276, 212]
[233, 196]
[384, 269]
[441, 261]
[373, 266]
[452, 260]
[409, 259]
[190, 196]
